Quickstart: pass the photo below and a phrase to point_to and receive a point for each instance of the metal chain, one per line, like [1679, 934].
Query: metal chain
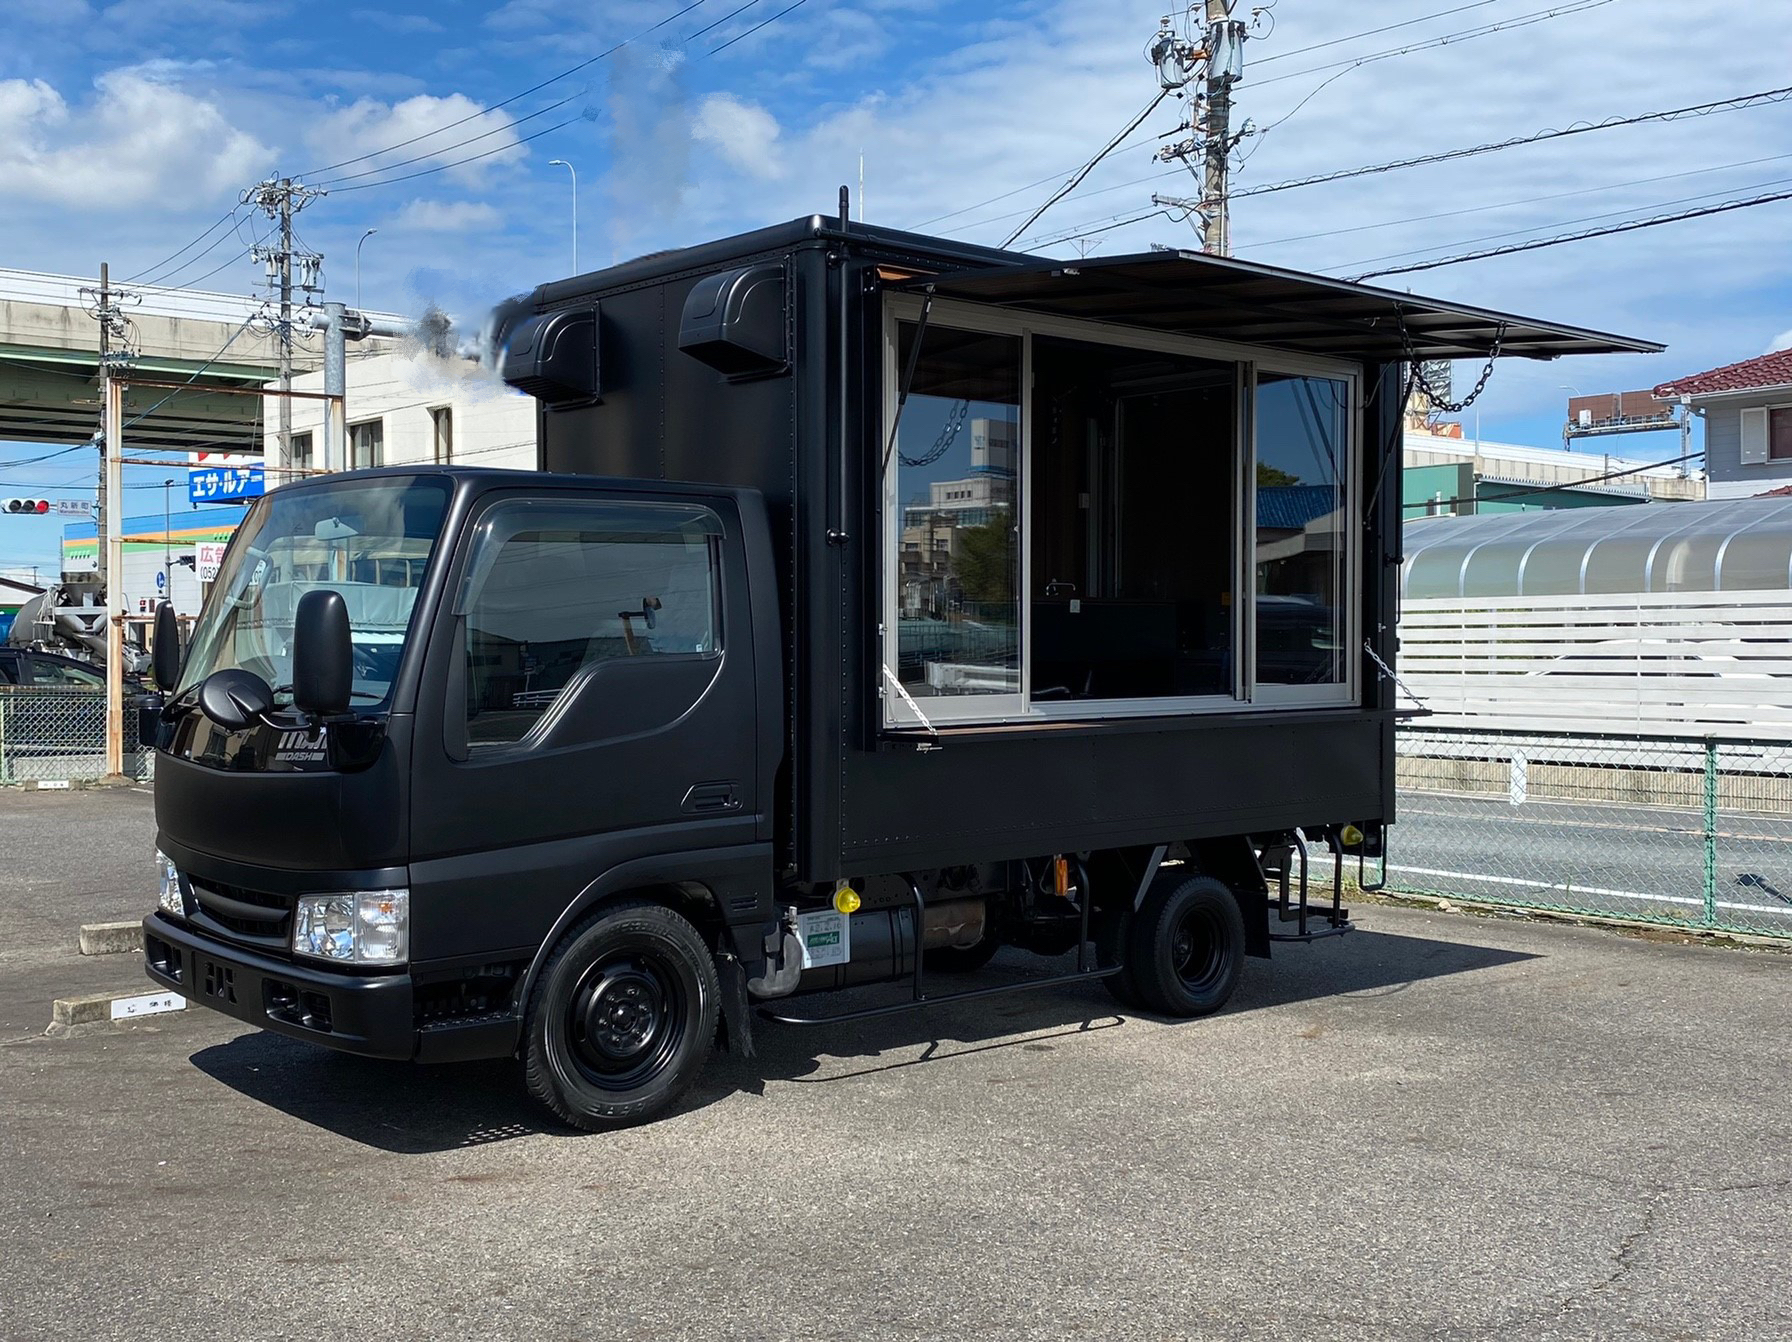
[1418, 372]
[1391, 674]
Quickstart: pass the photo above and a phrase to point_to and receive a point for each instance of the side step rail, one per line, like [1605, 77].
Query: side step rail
[918, 995]
[1332, 922]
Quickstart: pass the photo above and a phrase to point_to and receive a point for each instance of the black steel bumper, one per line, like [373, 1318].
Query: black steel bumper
[365, 1014]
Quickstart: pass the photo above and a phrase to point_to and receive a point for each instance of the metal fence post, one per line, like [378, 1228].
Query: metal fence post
[1710, 832]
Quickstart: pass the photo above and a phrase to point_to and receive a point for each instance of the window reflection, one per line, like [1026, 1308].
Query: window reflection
[957, 468]
[1302, 528]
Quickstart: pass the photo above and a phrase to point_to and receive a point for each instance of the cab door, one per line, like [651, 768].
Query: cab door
[590, 680]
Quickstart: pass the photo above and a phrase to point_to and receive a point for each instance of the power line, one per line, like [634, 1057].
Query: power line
[533, 88]
[1375, 32]
[449, 149]
[1466, 35]
[1521, 21]
[459, 162]
[1630, 227]
[755, 28]
[1531, 200]
[1610, 123]
[1740, 103]
[1089, 167]
[222, 219]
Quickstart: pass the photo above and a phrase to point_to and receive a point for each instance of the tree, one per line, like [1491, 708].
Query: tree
[1269, 477]
[983, 562]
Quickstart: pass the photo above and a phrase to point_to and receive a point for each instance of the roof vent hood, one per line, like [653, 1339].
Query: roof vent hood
[554, 357]
[734, 322]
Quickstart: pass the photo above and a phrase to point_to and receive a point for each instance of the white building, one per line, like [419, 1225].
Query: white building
[406, 406]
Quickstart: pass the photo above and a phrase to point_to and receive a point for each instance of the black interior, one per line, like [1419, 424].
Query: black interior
[1132, 513]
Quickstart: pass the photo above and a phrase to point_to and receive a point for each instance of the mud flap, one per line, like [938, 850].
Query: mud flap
[737, 1021]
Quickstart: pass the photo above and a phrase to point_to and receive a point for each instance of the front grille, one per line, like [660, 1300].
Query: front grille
[253, 916]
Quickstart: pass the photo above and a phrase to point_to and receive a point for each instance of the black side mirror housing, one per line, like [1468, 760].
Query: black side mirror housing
[166, 655]
[323, 666]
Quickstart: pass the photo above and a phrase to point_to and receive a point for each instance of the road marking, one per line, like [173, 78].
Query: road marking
[1563, 888]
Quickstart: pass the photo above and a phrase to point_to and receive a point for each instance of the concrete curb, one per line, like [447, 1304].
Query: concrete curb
[66, 1013]
[111, 938]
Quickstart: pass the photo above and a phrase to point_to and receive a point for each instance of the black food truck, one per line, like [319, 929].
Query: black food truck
[882, 601]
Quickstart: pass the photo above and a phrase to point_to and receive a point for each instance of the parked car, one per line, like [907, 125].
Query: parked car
[46, 723]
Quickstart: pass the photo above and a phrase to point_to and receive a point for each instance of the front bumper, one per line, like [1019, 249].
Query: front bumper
[357, 1013]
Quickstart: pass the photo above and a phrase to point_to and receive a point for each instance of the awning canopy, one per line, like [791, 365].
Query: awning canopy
[1222, 298]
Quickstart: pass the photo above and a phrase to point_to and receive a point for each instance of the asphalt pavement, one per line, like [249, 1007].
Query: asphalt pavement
[1437, 1127]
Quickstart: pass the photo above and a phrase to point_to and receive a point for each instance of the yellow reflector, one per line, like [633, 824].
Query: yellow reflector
[1350, 836]
[1061, 877]
[846, 899]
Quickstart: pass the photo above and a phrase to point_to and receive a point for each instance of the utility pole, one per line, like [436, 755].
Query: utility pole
[110, 550]
[280, 198]
[1218, 61]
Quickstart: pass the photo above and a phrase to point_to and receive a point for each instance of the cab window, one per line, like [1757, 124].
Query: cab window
[556, 589]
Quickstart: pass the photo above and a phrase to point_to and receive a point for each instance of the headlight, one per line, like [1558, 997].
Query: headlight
[369, 928]
[168, 897]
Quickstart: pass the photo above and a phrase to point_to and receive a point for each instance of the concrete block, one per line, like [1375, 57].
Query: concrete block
[111, 938]
[97, 1008]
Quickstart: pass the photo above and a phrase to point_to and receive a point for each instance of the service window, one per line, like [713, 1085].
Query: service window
[1083, 521]
[554, 589]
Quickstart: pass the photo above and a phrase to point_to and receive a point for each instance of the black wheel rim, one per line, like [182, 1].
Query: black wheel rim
[1197, 951]
[626, 1018]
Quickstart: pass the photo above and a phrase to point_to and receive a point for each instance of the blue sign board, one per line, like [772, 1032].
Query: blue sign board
[222, 484]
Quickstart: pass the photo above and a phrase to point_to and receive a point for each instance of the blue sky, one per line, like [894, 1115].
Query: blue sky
[127, 128]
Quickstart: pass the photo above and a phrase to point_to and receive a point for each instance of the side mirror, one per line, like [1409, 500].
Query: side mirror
[323, 667]
[165, 655]
[235, 699]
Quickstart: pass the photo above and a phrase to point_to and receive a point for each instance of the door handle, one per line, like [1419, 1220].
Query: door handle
[708, 798]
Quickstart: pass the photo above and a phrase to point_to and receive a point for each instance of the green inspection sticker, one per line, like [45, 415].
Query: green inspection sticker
[826, 938]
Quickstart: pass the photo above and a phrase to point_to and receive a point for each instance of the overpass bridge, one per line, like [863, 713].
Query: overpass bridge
[49, 363]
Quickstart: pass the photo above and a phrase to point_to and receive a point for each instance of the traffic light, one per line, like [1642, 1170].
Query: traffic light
[27, 505]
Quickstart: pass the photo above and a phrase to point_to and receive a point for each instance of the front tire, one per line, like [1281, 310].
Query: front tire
[621, 1018]
[1187, 947]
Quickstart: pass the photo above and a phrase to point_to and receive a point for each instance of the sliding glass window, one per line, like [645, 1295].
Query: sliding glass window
[954, 481]
[1302, 512]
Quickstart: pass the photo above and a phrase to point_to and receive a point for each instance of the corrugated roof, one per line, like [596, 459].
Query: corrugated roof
[1770, 370]
[1719, 546]
[1292, 507]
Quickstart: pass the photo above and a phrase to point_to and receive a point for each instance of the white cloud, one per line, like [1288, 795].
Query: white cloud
[428, 132]
[140, 141]
[1781, 341]
[744, 133]
[447, 216]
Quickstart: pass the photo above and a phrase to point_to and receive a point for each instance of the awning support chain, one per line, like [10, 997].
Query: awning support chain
[908, 379]
[1417, 367]
[1389, 673]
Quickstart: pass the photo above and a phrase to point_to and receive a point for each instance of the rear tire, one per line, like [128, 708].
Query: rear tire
[621, 1018]
[1187, 947]
[1111, 935]
[962, 959]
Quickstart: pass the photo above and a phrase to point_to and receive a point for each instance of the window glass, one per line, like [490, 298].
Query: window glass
[554, 589]
[1779, 432]
[300, 456]
[1132, 523]
[367, 444]
[957, 468]
[442, 430]
[1302, 528]
[63, 675]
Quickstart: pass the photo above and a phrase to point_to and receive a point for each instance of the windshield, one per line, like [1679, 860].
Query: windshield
[370, 540]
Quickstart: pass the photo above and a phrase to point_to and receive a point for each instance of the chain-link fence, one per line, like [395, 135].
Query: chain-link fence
[1688, 831]
[55, 735]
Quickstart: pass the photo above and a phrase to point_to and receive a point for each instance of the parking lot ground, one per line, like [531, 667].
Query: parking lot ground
[1437, 1127]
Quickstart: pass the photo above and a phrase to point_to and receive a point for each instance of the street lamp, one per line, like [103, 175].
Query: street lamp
[167, 565]
[368, 234]
[562, 163]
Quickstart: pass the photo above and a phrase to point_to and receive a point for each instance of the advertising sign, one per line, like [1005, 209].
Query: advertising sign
[210, 556]
[225, 484]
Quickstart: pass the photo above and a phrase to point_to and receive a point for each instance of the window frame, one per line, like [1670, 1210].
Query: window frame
[1249, 360]
[377, 423]
[1785, 409]
[458, 598]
